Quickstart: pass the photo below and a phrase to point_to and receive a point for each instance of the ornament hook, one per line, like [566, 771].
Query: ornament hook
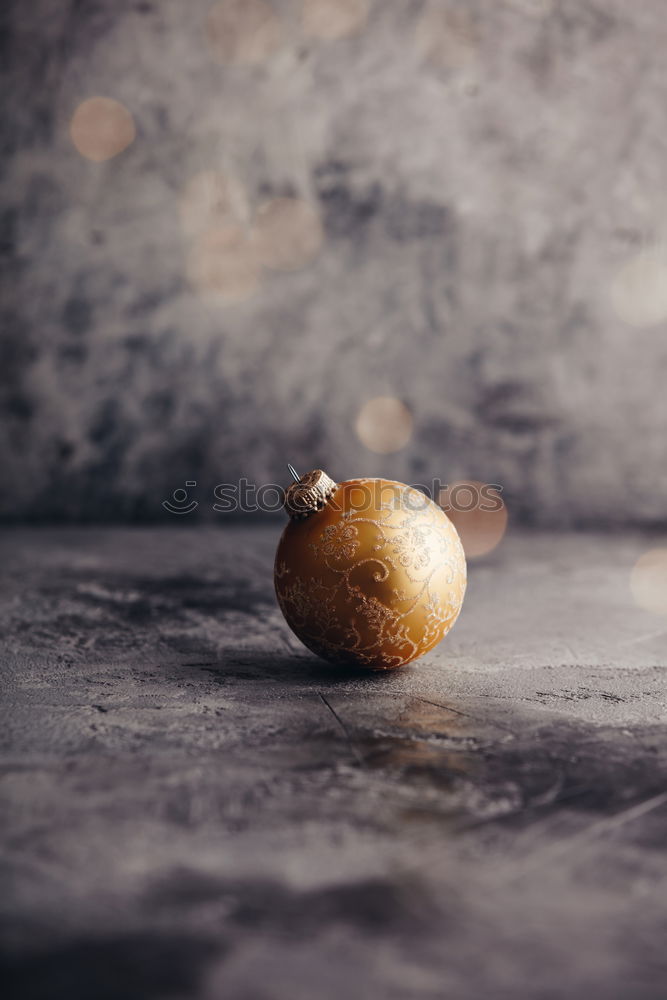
[308, 493]
[293, 473]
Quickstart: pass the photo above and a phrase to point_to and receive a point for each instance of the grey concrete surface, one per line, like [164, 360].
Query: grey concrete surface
[490, 179]
[194, 806]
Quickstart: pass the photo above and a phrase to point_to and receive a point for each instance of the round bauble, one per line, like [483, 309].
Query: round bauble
[368, 572]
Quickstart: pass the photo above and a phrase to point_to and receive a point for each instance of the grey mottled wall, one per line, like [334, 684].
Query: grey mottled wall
[491, 181]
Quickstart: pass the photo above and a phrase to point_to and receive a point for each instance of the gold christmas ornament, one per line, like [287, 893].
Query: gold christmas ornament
[368, 572]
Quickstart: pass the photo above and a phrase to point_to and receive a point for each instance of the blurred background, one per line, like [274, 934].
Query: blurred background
[410, 239]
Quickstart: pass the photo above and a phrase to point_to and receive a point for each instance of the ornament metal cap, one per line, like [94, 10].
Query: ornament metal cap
[308, 493]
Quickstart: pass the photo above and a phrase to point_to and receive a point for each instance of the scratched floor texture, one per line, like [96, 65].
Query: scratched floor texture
[193, 806]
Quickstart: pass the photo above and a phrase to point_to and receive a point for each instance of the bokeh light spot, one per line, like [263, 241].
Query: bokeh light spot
[639, 291]
[445, 37]
[648, 581]
[222, 262]
[478, 513]
[243, 32]
[211, 199]
[332, 19]
[533, 8]
[384, 425]
[287, 234]
[101, 128]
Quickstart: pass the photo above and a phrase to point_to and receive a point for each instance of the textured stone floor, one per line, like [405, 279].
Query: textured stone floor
[193, 806]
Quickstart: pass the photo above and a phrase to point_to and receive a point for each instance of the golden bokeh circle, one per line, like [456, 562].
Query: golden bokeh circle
[287, 234]
[648, 581]
[101, 128]
[243, 32]
[222, 262]
[211, 199]
[533, 8]
[639, 290]
[445, 37]
[330, 20]
[384, 425]
[478, 513]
